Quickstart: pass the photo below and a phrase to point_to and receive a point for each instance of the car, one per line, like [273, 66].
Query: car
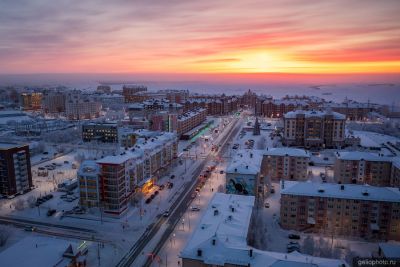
[293, 236]
[64, 196]
[266, 205]
[172, 176]
[156, 192]
[193, 195]
[170, 185]
[197, 189]
[51, 212]
[221, 172]
[194, 208]
[293, 243]
[152, 196]
[66, 161]
[161, 187]
[30, 228]
[290, 250]
[41, 168]
[148, 201]
[272, 190]
[166, 213]
[45, 153]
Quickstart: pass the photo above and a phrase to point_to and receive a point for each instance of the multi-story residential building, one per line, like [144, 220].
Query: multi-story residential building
[341, 209]
[243, 174]
[106, 132]
[395, 173]
[363, 168]
[31, 101]
[88, 180]
[79, 106]
[112, 101]
[220, 239]
[351, 109]
[176, 96]
[190, 119]
[215, 105]
[104, 89]
[133, 169]
[153, 106]
[314, 129]
[53, 102]
[129, 92]
[15, 169]
[248, 99]
[285, 163]
[277, 108]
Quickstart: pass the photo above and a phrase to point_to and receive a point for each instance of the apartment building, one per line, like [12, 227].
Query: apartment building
[345, 210]
[314, 129]
[106, 89]
[176, 96]
[15, 169]
[30, 101]
[129, 92]
[133, 169]
[80, 106]
[395, 172]
[277, 108]
[53, 102]
[215, 105]
[351, 109]
[88, 180]
[285, 163]
[362, 168]
[220, 239]
[106, 132]
[153, 106]
[190, 119]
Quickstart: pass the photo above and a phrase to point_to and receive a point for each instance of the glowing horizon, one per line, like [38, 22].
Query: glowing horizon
[207, 37]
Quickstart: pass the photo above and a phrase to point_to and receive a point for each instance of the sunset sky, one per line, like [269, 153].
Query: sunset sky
[208, 37]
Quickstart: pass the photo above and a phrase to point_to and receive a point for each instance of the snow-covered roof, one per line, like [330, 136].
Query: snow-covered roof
[286, 151]
[89, 167]
[221, 238]
[390, 250]
[245, 162]
[360, 155]
[142, 148]
[191, 113]
[37, 251]
[314, 113]
[349, 191]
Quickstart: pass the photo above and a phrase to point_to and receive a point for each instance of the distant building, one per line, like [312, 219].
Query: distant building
[106, 132]
[31, 101]
[129, 92]
[176, 96]
[351, 109]
[190, 119]
[215, 105]
[79, 106]
[104, 89]
[15, 169]
[337, 209]
[53, 102]
[364, 168]
[286, 163]
[220, 239]
[314, 129]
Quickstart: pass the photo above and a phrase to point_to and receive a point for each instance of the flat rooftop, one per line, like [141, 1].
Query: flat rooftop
[350, 191]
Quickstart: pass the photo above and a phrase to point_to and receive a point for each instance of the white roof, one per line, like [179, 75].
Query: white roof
[351, 191]
[36, 251]
[286, 151]
[245, 162]
[360, 155]
[230, 234]
[313, 113]
[89, 167]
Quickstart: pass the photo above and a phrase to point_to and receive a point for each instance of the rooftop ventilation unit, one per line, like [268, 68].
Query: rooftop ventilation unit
[365, 193]
[199, 252]
[215, 212]
[342, 187]
[321, 190]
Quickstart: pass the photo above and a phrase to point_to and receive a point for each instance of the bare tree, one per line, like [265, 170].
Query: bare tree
[19, 204]
[309, 245]
[31, 201]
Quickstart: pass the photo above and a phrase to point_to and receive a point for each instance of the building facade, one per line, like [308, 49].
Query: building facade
[285, 163]
[53, 102]
[15, 169]
[190, 119]
[129, 92]
[314, 129]
[102, 132]
[88, 181]
[341, 210]
[31, 101]
[79, 106]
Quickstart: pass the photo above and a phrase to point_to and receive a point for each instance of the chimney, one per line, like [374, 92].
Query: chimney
[342, 187]
[213, 242]
[199, 252]
[235, 170]
[247, 166]
[251, 253]
[251, 155]
[233, 209]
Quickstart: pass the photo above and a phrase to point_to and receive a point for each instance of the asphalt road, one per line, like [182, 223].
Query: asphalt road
[177, 209]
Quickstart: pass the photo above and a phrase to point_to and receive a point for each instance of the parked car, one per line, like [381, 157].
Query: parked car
[194, 208]
[161, 187]
[148, 201]
[152, 196]
[156, 192]
[293, 236]
[266, 205]
[66, 161]
[166, 213]
[30, 228]
[194, 195]
[172, 176]
[41, 168]
[170, 185]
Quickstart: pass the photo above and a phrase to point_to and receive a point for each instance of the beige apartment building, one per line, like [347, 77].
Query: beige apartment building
[364, 168]
[285, 163]
[341, 210]
[190, 119]
[314, 129]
